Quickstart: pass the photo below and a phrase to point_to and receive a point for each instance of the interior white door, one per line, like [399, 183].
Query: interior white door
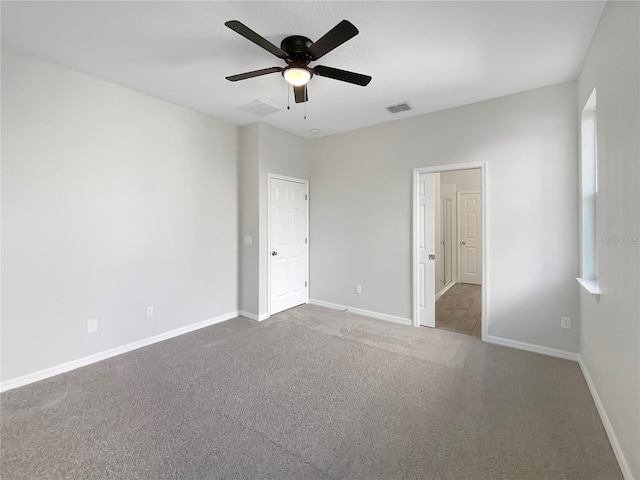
[288, 244]
[470, 215]
[426, 250]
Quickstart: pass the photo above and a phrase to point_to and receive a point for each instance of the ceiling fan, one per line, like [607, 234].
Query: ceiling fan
[298, 51]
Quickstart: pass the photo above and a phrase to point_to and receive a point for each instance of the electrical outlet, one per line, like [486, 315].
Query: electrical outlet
[149, 312]
[565, 322]
[92, 325]
[358, 289]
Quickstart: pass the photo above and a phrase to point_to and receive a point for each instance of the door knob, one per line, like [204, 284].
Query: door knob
[274, 253]
[463, 243]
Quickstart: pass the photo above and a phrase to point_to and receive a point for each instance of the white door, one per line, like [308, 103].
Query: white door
[426, 250]
[288, 244]
[470, 215]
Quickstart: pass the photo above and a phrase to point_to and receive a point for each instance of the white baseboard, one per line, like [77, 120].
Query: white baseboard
[253, 316]
[444, 290]
[364, 313]
[82, 362]
[530, 347]
[613, 439]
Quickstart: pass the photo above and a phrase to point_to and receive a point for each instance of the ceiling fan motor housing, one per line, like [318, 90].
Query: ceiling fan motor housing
[297, 47]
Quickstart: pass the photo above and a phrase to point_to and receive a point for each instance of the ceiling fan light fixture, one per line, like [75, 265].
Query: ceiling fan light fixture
[296, 76]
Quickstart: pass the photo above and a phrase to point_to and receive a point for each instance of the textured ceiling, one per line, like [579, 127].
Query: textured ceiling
[435, 55]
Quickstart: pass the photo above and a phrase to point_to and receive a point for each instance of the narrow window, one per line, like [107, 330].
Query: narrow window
[589, 191]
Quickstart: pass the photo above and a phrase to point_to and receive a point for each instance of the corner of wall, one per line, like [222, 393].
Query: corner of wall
[609, 343]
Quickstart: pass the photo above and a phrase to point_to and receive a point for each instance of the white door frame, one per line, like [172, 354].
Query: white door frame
[454, 241]
[306, 279]
[458, 228]
[485, 237]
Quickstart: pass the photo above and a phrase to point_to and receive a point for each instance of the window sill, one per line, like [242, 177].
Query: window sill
[590, 286]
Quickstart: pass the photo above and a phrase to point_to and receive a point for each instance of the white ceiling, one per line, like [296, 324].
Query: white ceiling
[435, 55]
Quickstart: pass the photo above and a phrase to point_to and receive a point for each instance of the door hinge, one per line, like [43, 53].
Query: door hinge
[305, 196]
[305, 284]
[305, 240]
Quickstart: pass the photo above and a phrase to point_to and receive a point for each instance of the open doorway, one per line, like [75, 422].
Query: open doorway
[449, 248]
[458, 259]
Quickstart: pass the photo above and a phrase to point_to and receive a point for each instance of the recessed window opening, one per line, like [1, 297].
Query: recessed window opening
[589, 190]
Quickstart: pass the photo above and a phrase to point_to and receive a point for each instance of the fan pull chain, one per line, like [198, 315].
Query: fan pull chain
[306, 91]
[288, 97]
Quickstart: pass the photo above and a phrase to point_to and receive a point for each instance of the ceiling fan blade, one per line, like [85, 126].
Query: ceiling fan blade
[335, 37]
[255, 73]
[249, 34]
[342, 75]
[300, 94]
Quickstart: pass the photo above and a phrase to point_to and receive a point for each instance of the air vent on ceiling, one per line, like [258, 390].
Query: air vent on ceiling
[259, 108]
[401, 107]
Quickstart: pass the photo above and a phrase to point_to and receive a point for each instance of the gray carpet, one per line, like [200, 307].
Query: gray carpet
[310, 394]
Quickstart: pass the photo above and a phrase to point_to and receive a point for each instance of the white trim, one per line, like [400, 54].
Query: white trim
[415, 188]
[611, 434]
[97, 357]
[253, 316]
[287, 179]
[590, 286]
[306, 184]
[590, 107]
[364, 313]
[454, 251]
[483, 166]
[531, 347]
[445, 289]
[613, 439]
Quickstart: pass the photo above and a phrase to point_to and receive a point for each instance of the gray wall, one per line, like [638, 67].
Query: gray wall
[248, 184]
[263, 150]
[361, 210]
[284, 154]
[610, 325]
[111, 201]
